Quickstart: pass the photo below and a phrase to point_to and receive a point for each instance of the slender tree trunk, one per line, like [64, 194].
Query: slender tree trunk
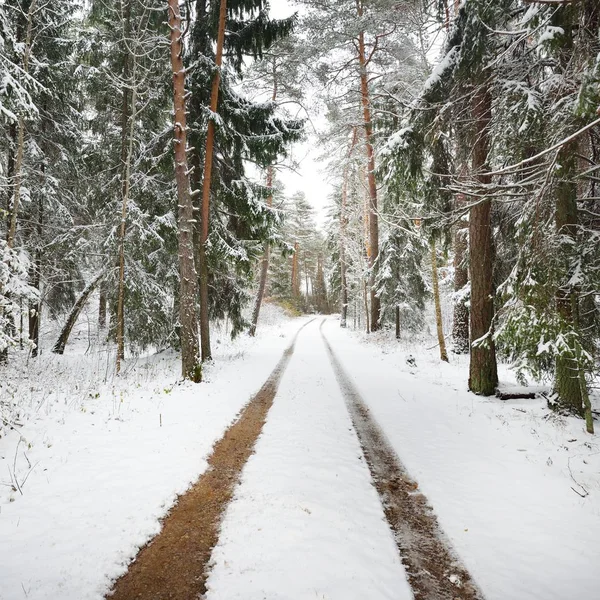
[264, 267]
[343, 280]
[63, 338]
[397, 322]
[343, 207]
[460, 321]
[366, 301]
[18, 176]
[567, 381]
[296, 272]
[188, 320]
[206, 184]
[18, 162]
[483, 373]
[438, 304]
[35, 309]
[128, 116]
[102, 307]
[372, 184]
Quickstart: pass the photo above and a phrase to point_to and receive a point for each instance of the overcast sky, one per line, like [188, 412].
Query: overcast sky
[309, 178]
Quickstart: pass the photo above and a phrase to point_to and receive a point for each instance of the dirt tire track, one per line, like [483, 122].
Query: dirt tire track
[175, 564]
[432, 566]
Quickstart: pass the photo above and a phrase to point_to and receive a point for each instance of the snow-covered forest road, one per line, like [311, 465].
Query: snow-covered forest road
[306, 520]
[322, 488]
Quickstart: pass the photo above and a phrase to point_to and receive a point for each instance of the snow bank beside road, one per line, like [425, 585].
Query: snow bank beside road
[498, 474]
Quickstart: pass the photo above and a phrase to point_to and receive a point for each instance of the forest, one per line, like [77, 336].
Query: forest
[150, 154]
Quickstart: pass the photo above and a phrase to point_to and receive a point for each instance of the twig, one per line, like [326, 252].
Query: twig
[585, 492]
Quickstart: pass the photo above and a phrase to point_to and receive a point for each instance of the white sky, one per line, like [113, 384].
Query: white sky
[310, 176]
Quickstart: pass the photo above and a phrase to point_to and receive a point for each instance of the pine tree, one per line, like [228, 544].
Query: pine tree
[239, 220]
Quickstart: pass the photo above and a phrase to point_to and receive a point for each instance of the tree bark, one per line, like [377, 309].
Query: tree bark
[397, 322]
[206, 184]
[296, 272]
[483, 372]
[372, 184]
[190, 364]
[102, 307]
[13, 208]
[438, 305]
[567, 382]
[63, 338]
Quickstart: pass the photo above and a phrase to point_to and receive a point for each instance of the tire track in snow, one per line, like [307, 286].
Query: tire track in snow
[175, 564]
[433, 568]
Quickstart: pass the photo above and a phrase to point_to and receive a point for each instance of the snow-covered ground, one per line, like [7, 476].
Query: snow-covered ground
[98, 460]
[98, 463]
[504, 478]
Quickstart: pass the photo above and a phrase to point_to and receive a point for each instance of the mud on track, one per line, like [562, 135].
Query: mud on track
[174, 565]
[433, 569]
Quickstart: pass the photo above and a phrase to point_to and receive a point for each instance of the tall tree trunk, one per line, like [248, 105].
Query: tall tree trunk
[296, 272]
[374, 219]
[567, 382]
[35, 308]
[206, 184]
[264, 267]
[18, 176]
[102, 307]
[18, 160]
[128, 115]
[366, 301]
[397, 322]
[483, 371]
[63, 338]
[343, 206]
[460, 321]
[190, 364]
[438, 304]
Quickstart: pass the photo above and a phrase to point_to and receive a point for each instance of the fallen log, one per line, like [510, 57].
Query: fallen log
[515, 395]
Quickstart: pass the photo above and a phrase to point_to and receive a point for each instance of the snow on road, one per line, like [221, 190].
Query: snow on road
[498, 475]
[106, 469]
[306, 521]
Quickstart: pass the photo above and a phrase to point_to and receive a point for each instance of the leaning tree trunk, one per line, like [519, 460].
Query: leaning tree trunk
[63, 338]
[483, 371]
[264, 266]
[206, 184]
[190, 364]
[372, 184]
[438, 304]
